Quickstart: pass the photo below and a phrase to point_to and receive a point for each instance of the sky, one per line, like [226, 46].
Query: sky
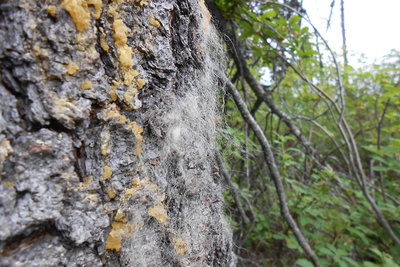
[372, 27]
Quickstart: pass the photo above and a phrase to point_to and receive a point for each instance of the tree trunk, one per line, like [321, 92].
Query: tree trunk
[107, 135]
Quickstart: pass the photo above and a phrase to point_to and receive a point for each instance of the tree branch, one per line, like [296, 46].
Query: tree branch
[270, 160]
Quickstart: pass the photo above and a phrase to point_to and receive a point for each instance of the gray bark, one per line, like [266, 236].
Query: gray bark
[107, 135]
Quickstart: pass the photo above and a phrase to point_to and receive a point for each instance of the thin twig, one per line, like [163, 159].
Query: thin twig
[232, 187]
[378, 144]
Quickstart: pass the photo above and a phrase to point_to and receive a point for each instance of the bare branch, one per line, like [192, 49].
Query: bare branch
[270, 160]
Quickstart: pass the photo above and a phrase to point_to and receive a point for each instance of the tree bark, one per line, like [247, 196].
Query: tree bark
[107, 135]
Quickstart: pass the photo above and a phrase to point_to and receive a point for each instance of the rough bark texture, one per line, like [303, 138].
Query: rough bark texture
[107, 135]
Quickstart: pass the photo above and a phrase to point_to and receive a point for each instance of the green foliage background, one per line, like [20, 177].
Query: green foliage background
[327, 203]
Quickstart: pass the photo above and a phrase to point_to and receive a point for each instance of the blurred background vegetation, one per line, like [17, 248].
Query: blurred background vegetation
[340, 172]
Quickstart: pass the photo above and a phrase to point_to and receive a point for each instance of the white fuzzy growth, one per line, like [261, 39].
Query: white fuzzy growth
[192, 120]
[191, 141]
[194, 198]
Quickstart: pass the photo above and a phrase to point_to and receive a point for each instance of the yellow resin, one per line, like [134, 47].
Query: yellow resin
[98, 5]
[71, 67]
[129, 75]
[122, 119]
[103, 43]
[137, 130]
[138, 149]
[79, 11]
[5, 149]
[111, 192]
[137, 184]
[130, 95]
[112, 111]
[140, 83]
[159, 213]
[120, 216]
[124, 56]
[106, 148]
[86, 182]
[107, 172]
[87, 84]
[154, 22]
[120, 38]
[113, 95]
[118, 1]
[118, 231]
[7, 183]
[180, 245]
[120, 30]
[52, 10]
[79, 38]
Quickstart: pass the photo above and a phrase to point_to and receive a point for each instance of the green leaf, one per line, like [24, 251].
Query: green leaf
[304, 263]
[292, 243]
[342, 263]
[381, 168]
[331, 247]
[369, 264]
[279, 236]
[325, 251]
[395, 142]
[294, 20]
[257, 26]
[378, 158]
[269, 14]
[304, 30]
[304, 220]
[350, 261]
[244, 35]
